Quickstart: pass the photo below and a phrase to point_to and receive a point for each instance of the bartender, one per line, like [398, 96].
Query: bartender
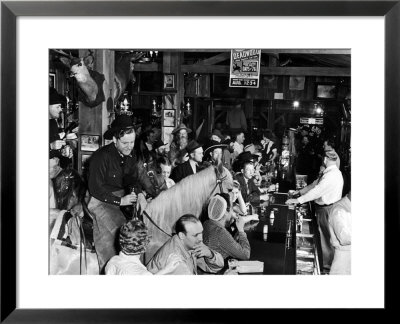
[324, 191]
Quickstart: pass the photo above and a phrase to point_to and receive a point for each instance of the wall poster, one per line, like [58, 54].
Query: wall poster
[245, 68]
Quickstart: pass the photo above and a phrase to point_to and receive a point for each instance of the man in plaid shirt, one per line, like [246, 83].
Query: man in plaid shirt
[216, 235]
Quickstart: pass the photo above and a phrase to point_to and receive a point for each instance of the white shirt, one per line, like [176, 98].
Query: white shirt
[123, 264]
[327, 190]
[237, 148]
[193, 164]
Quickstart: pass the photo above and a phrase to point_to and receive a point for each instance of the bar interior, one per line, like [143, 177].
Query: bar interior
[255, 144]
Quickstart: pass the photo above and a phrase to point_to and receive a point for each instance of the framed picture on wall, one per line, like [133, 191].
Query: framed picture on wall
[52, 80]
[325, 91]
[90, 142]
[169, 81]
[168, 118]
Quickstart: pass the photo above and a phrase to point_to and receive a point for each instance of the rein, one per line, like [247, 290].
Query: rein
[151, 220]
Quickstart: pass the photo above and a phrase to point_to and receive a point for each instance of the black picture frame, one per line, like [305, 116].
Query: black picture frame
[11, 10]
[169, 81]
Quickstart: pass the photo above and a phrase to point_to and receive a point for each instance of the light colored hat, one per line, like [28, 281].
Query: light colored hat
[331, 155]
[250, 148]
[217, 208]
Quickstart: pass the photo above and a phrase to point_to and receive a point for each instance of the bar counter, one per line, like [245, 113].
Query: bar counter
[284, 251]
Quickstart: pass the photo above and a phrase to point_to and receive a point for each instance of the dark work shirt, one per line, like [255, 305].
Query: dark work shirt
[109, 171]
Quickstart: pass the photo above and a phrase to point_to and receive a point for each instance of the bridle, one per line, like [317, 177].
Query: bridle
[219, 181]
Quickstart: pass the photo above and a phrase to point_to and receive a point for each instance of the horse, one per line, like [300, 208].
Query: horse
[71, 235]
[189, 196]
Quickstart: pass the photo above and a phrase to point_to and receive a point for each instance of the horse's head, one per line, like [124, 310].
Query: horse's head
[224, 177]
[69, 188]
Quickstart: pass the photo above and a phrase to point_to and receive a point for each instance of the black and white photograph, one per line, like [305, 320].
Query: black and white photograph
[89, 142]
[210, 189]
[169, 118]
[169, 81]
[258, 185]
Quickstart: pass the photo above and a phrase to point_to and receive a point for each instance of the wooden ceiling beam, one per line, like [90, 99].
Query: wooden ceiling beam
[306, 71]
[215, 59]
[332, 51]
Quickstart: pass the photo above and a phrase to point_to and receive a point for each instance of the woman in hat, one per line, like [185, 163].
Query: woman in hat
[133, 240]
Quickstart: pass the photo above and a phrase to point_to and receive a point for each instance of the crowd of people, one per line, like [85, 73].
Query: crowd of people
[137, 166]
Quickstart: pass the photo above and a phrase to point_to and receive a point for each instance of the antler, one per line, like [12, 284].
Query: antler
[135, 57]
[63, 53]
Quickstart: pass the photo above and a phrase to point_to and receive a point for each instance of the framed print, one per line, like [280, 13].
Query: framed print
[169, 81]
[89, 142]
[168, 118]
[28, 297]
[52, 80]
[325, 91]
[296, 83]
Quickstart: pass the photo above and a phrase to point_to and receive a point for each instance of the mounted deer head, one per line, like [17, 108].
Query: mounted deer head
[89, 81]
[124, 67]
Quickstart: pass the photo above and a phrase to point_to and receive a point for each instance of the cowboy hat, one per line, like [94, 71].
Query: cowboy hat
[119, 123]
[214, 145]
[181, 126]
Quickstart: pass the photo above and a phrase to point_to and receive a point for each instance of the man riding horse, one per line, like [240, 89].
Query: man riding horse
[113, 169]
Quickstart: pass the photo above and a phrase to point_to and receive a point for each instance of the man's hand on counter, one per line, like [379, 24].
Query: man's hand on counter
[293, 201]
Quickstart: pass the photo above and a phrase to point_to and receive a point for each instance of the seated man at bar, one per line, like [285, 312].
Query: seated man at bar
[216, 235]
[324, 191]
[340, 229]
[188, 245]
[110, 168]
[250, 192]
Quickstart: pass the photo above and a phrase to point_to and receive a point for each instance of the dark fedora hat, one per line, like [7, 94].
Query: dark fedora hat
[212, 145]
[158, 144]
[119, 123]
[246, 156]
[54, 97]
[192, 145]
[181, 126]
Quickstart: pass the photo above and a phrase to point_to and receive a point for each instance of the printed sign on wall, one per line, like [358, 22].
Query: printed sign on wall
[245, 68]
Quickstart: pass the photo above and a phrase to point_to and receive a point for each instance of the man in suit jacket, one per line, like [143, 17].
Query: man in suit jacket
[192, 165]
[250, 192]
